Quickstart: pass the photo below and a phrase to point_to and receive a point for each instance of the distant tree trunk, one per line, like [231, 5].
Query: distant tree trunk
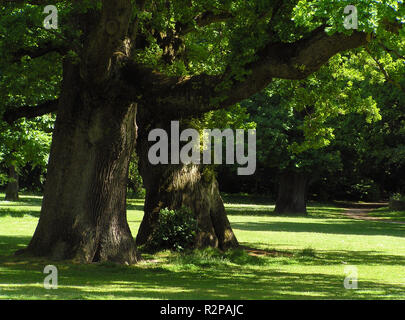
[83, 214]
[174, 186]
[292, 193]
[12, 185]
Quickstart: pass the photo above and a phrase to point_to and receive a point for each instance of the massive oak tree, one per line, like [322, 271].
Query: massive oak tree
[177, 59]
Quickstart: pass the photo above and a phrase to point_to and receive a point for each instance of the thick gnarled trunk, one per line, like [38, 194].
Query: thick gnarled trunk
[292, 193]
[83, 214]
[12, 184]
[174, 186]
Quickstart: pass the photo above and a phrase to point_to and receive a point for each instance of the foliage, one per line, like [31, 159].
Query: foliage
[374, 152]
[296, 120]
[25, 82]
[26, 142]
[343, 124]
[398, 197]
[365, 190]
[209, 48]
[176, 230]
[135, 182]
[213, 48]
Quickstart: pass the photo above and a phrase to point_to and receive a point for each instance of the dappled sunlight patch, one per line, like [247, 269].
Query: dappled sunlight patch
[324, 212]
[18, 213]
[388, 214]
[26, 206]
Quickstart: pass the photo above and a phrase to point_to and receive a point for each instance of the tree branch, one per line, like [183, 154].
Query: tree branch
[381, 68]
[198, 94]
[395, 52]
[36, 52]
[31, 112]
[202, 20]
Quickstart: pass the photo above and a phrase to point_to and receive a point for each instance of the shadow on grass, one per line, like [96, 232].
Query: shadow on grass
[27, 205]
[332, 257]
[387, 214]
[135, 204]
[21, 208]
[314, 211]
[10, 244]
[25, 200]
[247, 199]
[24, 280]
[369, 258]
[18, 213]
[344, 226]
[360, 205]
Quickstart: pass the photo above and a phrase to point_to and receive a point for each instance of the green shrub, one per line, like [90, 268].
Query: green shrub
[176, 230]
[398, 197]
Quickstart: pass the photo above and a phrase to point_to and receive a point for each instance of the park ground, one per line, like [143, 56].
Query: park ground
[282, 258]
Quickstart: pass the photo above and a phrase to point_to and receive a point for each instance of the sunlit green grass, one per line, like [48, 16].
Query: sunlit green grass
[306, 260]
[388, 214]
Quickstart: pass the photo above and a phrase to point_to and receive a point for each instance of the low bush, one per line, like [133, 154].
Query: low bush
[176, 230]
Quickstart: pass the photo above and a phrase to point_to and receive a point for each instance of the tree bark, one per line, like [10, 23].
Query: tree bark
[83, 214]
[12, 185]
[173, 186]
[292, 193]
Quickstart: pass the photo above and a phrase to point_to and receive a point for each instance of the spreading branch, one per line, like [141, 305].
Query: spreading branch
[381, 68]
[202, 20]
[30, 112]
[179, 96]
[40, 51]
[391, 51]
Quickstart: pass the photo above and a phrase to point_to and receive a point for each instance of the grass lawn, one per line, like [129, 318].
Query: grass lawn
[387, 214]
[307, 259]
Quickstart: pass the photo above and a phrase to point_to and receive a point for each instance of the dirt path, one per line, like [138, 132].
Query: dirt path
[361, 212]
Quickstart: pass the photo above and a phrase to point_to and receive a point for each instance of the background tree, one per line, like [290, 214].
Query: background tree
[22, 143]
[372, 153]
[25, 141]
[297, 121]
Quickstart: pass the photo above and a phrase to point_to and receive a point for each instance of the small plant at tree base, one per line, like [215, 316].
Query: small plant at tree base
[176, 230]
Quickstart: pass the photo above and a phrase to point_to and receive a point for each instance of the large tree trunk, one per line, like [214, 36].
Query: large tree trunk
[12, 185]
[173, 186]
[83, 214]
[292, 193]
